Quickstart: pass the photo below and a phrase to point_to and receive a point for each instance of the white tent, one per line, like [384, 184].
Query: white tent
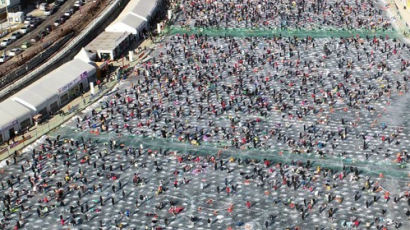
[144, 8]
[69, 75]
[18, 111]
[47, 91]
[85, 56]
[37, 96]
[130, 23]
[12, 115]
[7, 121]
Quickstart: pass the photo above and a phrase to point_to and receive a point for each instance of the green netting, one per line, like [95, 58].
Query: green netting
[262, 32]
[387, 168]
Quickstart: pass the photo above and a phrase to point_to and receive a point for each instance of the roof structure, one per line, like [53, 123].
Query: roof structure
[68, 75]
[130, 23]
[144, 8]
[39, 94]
[16, 110]
[36, 96]
[6, 120]
[107, 41]
[84, 55]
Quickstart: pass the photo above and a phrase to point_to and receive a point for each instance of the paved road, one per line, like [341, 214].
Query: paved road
[48, 21]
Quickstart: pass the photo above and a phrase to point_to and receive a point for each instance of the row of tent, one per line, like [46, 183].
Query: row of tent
[127, 28]
[44, 97]
[48, 94]
[135, 17]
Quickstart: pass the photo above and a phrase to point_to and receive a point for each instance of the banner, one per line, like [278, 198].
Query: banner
[82, 76]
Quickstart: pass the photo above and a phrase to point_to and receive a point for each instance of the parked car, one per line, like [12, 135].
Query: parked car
[78, 3]
[5, 42]
[25, 45]
[50, 11]
[11, 40]
[48, 28]
[15, 35]
[68, 13]
[35, 39]
[57, 22]
[25, 29]
[43, 33]
[15, 51]
[28, 20]
[47, 12]
[36, 21]
[4, 58]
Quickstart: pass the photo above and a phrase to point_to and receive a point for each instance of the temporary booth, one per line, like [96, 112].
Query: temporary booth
[57, 88]
[145, 9]
[13, 117]
[108, 45]
[129, 23]
[38, 97]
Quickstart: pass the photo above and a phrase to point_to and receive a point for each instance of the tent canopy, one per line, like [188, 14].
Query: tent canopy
[129, 23]
[107, 41]
[67, 75]
[84, 55]
[144, 8]
[45, 91]
[36, 96]
[16, 110]
[5, 120]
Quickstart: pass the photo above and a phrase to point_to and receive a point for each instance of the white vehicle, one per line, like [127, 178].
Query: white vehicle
[67, 13]
[47, 12]
[78, 3]
[25, 45]
[4, 58]
[15, 51]
[5, 43]
[43, 6]
[28, 20]
[24, 29]
[15, 36]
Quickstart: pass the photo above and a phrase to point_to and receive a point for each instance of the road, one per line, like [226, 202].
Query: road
[48, 21]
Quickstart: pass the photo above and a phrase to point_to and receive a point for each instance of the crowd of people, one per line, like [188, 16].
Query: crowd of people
[323, 98]
[84, 183]
[294, 14]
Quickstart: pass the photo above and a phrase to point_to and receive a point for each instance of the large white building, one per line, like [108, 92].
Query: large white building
[45, 96]
[127, 27]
